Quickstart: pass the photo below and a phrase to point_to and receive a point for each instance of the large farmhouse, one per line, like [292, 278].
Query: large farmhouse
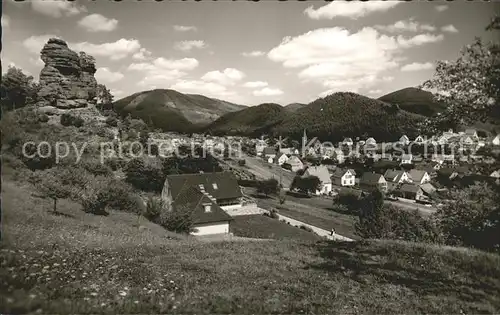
[206, 195]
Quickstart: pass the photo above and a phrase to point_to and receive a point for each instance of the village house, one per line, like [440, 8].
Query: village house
[411, 191]
[260, 145]
[370, 142]
[404, 140]
[407, 159]
[339, 156]
[324, 176]
[419, 140]
[281, 158]
[370, 181]
[472, 133]
[289, 151]
[348, 142]
[419, 176]
[269, 153]
[496, 140]
[397, 176]
[296, 163]
[343, 177]
[428, 189]
[495, 174]
[206, 196]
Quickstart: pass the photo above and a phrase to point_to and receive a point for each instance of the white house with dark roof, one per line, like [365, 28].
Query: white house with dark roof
[348, 141]
[281, 158]
[419, 140]
[397, 176]
[420, 176]
[296, 163]
[496, 141]
[404, 140]
[407, 159]
[206, 196]
[320, 171]
[343, 177]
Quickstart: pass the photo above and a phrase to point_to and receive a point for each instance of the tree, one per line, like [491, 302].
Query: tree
[17, 89]
[380, 221]
[268, 187]
[306, 184]
[104, 97]
[470, 85]
[145, 174]
[51, 185]
[472, 217]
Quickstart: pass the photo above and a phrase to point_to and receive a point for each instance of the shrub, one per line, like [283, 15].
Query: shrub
[78, 121]
[145, 174]
[241, 162]
[112, 121]
[121, 196]
[306, 228]
[177, 220]
[43, 118]
[116, 163]
[66, 119]
[154, 208]
[95, 167]
[94, 198]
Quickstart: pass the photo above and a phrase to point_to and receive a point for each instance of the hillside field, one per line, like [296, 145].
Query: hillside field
[81, 263]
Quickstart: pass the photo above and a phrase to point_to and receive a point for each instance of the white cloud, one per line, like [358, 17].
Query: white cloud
[104, 75]
[142, 54]
[350, 9]
[116, 93]
[160, 78]
[182, 28]
[419, 40]
[268, 92]
[449, 28]
[227, 77]
[405, 25]
[210, 89]
[188, 45]
[344, 61]
[255, 84]
[5, 21]
[115, 50]
[161, 71]
[98, 23]
[36, 61]
[34, 44]
[57, 8]
[255, 53]
[375, 92]
[441, 8]
[415, 66]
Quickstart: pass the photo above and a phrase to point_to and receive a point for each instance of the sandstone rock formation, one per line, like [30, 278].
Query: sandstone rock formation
[67, 80]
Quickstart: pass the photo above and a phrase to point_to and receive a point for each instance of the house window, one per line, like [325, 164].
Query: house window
[208, 208]
[214, 185]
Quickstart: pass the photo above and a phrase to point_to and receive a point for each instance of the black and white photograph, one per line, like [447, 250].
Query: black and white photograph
[250, 157]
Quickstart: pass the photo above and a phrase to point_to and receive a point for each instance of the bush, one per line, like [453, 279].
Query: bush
[177, 220]
[145, 174]
[95, 167]
[93, 197]
[66, 119]
[121, 196]
[112, 121]
[154, 208]
[115, 163]
[78, 121]
[241, 162]
[43, 118]
[306, 228]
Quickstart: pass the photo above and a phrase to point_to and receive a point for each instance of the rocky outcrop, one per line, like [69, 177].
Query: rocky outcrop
[67, 80]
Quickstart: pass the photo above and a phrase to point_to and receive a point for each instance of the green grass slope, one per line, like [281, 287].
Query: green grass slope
[349, 114]
[79, 263]
[415, 100]
[252, 121]
[171, 110]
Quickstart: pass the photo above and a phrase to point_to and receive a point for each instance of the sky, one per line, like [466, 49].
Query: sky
[249, 52]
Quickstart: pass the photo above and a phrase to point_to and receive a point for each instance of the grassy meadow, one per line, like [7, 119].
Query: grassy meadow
[75, 262]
